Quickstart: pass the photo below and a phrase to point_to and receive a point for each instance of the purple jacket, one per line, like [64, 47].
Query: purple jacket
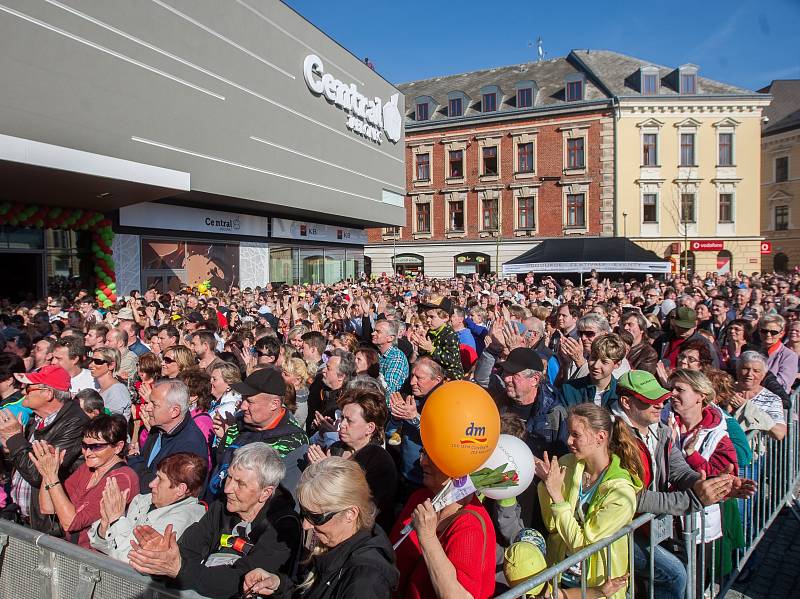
[783, 364]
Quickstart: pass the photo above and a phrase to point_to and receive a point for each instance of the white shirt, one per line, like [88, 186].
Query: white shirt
[83, 380]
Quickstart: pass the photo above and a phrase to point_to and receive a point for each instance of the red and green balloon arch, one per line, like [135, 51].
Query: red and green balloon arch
[74, 219]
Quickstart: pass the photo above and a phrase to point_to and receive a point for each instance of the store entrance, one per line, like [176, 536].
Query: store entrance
[22, 276]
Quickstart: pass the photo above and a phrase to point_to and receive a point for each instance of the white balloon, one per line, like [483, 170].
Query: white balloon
[516, 453]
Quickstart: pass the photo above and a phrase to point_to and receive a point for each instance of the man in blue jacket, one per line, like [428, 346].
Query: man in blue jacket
[172, 430]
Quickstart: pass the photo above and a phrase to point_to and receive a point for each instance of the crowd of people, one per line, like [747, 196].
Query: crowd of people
[267, 441]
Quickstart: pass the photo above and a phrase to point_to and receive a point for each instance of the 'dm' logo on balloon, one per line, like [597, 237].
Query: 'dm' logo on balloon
[460, 426]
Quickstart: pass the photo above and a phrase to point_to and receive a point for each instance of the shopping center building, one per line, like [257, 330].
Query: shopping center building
[231, 142]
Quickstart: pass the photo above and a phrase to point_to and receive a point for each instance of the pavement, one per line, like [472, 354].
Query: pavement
[778, 570]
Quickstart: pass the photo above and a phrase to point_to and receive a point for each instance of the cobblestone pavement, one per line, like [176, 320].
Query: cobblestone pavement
[778, 572]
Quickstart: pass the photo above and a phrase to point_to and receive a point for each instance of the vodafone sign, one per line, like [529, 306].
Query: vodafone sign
[707, 245]
[766, 248]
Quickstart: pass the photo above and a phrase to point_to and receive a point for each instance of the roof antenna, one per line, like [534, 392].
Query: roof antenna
[539, 48]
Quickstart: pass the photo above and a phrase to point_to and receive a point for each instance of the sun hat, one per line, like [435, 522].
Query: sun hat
[525, 558]
[685, 318]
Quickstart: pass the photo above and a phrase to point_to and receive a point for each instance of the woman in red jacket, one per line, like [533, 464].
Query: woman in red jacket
[450, 553]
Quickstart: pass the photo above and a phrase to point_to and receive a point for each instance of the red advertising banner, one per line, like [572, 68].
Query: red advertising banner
[706, 245]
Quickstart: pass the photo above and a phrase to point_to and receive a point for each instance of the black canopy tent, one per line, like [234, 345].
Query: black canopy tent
[584, 254]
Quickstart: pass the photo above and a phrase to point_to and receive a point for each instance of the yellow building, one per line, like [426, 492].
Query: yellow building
[780, 176]
[688, 162]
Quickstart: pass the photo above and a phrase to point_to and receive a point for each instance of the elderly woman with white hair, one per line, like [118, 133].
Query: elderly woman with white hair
[755, 407]
[781, 360]
[350, 556]
[254, 527]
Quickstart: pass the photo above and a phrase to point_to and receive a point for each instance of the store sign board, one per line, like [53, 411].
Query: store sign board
[196, 220]
[369, 117]
[303, 231]
[707, 245]
[766, 248]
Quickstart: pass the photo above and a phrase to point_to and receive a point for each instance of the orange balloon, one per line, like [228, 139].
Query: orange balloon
[460, 427]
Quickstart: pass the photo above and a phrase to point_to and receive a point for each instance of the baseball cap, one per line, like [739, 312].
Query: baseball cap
[267, 380]
[643, 386]
[521, 358]
[685, 318]
[525, 558]
[194, 317]
[50, 375]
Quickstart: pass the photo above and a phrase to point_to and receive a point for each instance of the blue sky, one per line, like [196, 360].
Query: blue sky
[746, 43]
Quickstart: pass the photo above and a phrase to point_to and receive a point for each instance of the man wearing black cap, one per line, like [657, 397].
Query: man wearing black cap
[529, 396]
[265, 418]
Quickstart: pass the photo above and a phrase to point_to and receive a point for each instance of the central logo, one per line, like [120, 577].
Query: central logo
[474, 435]
[370, 117]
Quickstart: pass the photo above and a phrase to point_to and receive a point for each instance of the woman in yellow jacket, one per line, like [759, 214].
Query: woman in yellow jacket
[590, 493]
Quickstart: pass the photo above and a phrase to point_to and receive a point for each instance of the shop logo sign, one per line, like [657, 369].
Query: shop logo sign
[370, 117]
[225, 224]
[474, 435]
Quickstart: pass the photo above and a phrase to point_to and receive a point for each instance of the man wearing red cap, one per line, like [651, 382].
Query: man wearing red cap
[57, 420]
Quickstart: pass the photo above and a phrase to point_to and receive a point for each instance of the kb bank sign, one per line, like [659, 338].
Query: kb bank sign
[369, 117]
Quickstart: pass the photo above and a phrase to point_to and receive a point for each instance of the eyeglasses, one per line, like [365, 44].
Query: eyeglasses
[30, 388]
[769, 332]
[94, 446]
[688, 359]
[317, 519]
[168, 360]
[589, 334]
[99, 361]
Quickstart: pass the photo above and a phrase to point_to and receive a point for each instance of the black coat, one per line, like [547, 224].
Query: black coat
[275, 536]
[362, 567]
[65, 432]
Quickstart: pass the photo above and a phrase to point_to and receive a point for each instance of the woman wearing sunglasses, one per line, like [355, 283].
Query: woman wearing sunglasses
[103, 366]
[76, 502]
[351, 556]
[175, 359]
[782, 361]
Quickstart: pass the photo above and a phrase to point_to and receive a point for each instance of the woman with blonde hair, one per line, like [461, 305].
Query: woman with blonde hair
[226, 400]
[590, 493]
[104, 367]
[350, 556]
[295, 375]
[175, 359]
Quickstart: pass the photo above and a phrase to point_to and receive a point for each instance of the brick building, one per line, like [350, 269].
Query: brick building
[496, 161]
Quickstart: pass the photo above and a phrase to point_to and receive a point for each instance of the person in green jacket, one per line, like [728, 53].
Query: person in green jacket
[590, 493]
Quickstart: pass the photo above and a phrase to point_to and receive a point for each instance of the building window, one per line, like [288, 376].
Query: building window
[526, 218]
[649, 84]
[781, 169]
[725, 149]
[489, 102]
[424, 217]
[650, 149]
[687, 149]
[524, 98]
[576, 210]
[726, 207]
[650, 208]
[490, 160]
[575, 153]
[422, 111]
[489, 214]
[574, 91]
[454, 107]
[781, 218]
[688, 83]
[687, 208]
[423, 167]
[392, 231]
[525, 157]
[456, 164]
[456, 216]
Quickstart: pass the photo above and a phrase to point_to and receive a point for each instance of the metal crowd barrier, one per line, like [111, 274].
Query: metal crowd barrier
[776, 469]
[34, 565]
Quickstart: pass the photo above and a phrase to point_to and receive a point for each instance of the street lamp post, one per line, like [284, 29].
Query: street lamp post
[625, 224]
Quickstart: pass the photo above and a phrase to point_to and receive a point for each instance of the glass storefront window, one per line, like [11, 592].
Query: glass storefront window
[334, 265]
[325, 265]
[354, 264]
[167, 264]
[312, 265]
[68, 261]
[281, 265]
[14, 238]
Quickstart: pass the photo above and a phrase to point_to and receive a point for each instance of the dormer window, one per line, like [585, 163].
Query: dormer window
[454, 107]
[650, 81]
[422, 111]
[526, 94]
[573, 88]
[687, 79]
[489, 102]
